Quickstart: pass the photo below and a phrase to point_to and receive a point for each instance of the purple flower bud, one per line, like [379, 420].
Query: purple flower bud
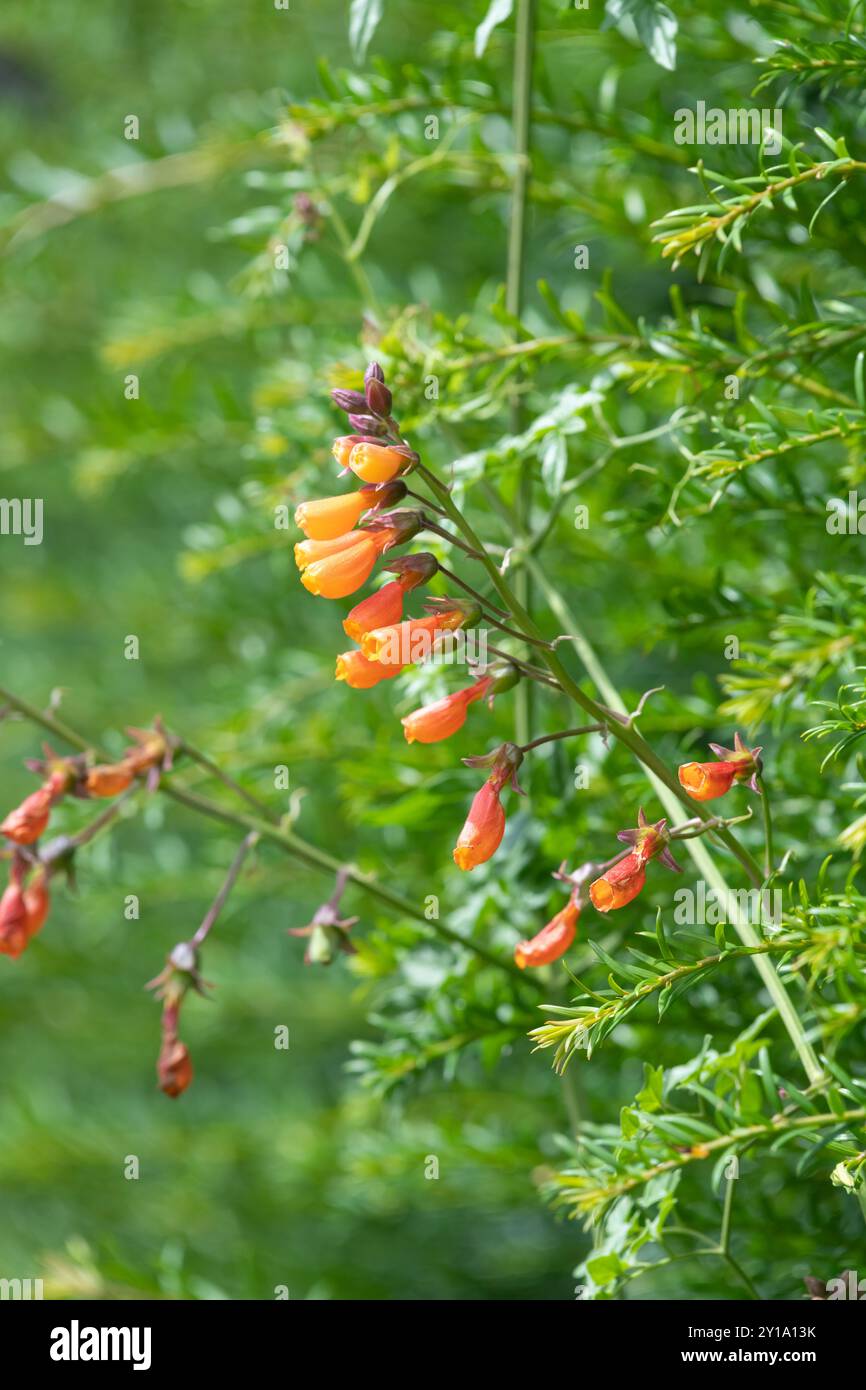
[373, 373]
[349, 400]
[367, 424]
[378, 397]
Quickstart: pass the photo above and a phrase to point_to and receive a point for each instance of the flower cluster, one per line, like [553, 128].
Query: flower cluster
[624, 876]
[25, 902]
[345, 536]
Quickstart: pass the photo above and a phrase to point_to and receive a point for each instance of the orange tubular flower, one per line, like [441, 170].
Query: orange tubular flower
[329, 517]
[438, 721]
[37, 901]
[108, 779]
[361, 674]
[311, 552]
[413, 639]
[27, 822]
[381, 609]
[482, 833]
[706, 781]
[13, 919]
[619, 884]
[344, 571]
[342, 448]
[376, 463]
[552, 941]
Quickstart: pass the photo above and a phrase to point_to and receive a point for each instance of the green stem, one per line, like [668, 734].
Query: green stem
[521, 117]
[286, 839]
[768, 829]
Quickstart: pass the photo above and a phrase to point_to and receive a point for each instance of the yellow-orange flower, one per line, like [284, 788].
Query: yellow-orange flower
[312, 551]
[345, 571]
[482, 833]
[361, 674]
[330, 517]
[376, 463]
[552, 941]
[440, 720]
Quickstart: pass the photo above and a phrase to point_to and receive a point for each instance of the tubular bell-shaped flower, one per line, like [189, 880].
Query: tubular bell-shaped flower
[439, 720]
[625, 879]
[619, 884]
[413, 640]
[706, 781]
[328, 518]
[361, 674]
[553, 940]
[384, 608]
[484, 827]
[379, 463]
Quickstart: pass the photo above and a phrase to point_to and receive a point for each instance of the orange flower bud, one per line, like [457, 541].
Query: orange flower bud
[552, 941]
[174, 1067]
[361, 674]
[26, 823]
[411, 640]
[381, 609]
[706, 781]
[37, 901]
[621, 883]
[13, 921]
[438, 721]
[108, 779]
[330, 517]
[376, 463]
[482, 833]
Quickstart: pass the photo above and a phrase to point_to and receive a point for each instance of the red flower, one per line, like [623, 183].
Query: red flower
[381, 609]
[621, 883]
[13, 918]
[706, 781]
[27, 822]
[37, 901]
[482, 832]
[440, 720]
[174, 1066]
[552, 941]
